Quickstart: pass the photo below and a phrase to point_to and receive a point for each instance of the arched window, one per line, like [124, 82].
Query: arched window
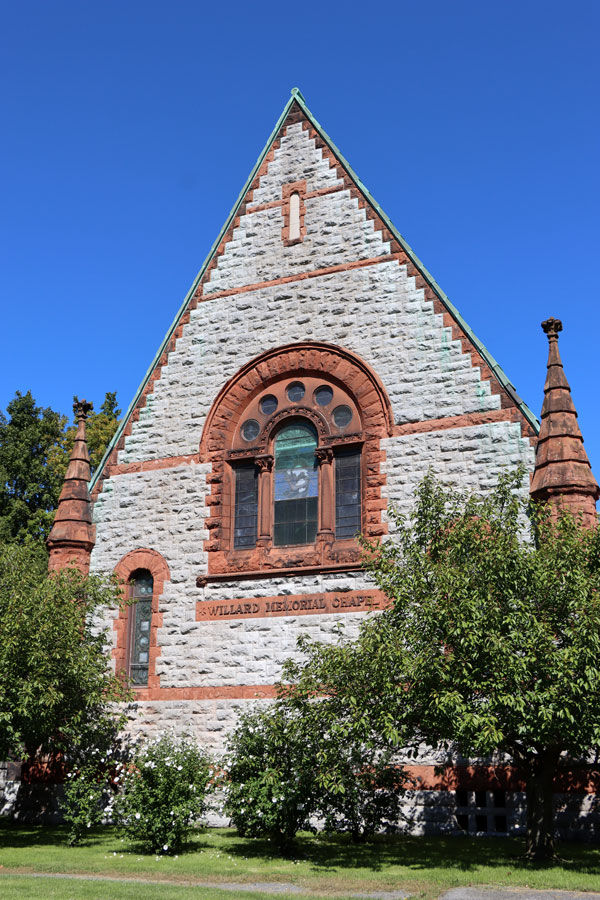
[294, 445]
[141, 586]
[296, 485]
[296, 469]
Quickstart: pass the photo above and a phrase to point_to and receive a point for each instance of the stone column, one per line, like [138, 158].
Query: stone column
[265, 499]
[326, 493]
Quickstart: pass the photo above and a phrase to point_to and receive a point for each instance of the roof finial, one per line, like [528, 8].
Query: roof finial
[81, 408]
[562, 474]
[72, 536]
[552, 327]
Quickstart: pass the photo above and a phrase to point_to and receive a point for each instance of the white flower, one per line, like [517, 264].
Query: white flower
[138, 816]
[165, 846]
[179, 768]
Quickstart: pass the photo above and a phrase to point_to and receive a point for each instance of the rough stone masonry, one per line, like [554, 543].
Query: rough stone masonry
[311, 313]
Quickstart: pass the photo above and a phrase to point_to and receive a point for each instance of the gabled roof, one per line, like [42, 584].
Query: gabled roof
[296, 98]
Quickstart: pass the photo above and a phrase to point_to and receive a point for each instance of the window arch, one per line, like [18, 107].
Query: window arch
[141, 588]
[294, 442]
[144, 573]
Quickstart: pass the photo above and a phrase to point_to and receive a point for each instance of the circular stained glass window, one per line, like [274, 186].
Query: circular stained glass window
[323, 395]
[295, 391]
[268, 404]
[250, 429]
[342, 416]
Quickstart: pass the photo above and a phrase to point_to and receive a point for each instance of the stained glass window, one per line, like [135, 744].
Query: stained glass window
[246, 506]
[296, 485]
[139, 636]
[347, 493]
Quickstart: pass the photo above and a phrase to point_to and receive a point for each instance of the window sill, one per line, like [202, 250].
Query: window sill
[255, 574]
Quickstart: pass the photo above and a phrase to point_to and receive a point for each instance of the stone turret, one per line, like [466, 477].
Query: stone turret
[563, 474]
[72, 536]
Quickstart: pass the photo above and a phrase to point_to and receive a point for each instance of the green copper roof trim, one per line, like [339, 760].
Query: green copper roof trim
[190, 293]
[296, 96]
[487, 356]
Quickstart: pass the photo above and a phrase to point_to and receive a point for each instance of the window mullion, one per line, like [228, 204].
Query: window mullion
[264, 464]
[326, 502]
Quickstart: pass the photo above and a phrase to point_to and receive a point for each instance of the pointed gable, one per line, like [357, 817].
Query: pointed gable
[350, 260]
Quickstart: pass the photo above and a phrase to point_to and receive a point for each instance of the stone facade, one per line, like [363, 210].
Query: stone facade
[347, 286]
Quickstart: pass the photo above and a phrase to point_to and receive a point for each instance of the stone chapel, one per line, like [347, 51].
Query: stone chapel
[313, 374]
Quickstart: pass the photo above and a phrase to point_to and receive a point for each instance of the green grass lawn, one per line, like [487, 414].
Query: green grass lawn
[23, 887]
[320, 864]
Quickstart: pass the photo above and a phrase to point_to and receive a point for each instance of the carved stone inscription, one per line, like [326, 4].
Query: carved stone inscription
[292, 605]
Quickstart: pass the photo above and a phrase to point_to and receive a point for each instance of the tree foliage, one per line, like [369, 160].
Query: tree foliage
[56, 684]
[492, 641]
[35, 445]
[299, 761]
[29, 483]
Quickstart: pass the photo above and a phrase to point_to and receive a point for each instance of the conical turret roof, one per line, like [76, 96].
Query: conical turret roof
[72, 531]
[562, 467]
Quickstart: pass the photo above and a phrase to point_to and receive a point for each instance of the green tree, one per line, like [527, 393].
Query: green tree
[35, 445]
[56, 683]
[491, 644]
[29, 486]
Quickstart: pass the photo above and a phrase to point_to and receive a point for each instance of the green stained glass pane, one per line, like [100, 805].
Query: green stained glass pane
[296, 485]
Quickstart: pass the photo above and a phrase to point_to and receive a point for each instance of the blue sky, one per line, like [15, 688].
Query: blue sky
[130, 127]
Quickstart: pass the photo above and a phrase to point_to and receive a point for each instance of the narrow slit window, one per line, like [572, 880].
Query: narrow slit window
[246, 506]
[140, 618]
[296, 486]
[294, 229]
[347, 494]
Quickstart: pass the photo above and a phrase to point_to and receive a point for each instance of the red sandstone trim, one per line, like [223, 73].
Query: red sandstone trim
[467, 420]
[158, 568]
[309, 195]
[442, 424]
[291, 605]
[343, 370]
[290, 572]
[578, 779]
[224, 692]
[300, 276]
[149, 465]
[397, 252]
[295, 187]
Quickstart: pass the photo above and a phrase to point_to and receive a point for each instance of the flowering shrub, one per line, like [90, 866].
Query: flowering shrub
[91, 786]
[270, 789]
[84, 799]
[163, 792]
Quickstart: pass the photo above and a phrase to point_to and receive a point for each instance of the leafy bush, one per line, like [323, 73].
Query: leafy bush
[163, 792]
[270, 788]
[92, 785]
[365, 799]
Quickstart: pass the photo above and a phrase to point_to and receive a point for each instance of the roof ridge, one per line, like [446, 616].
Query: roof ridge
[297, 97]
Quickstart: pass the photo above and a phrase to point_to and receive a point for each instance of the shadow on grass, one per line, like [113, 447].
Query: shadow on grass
[462, 854]
[326, 853]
